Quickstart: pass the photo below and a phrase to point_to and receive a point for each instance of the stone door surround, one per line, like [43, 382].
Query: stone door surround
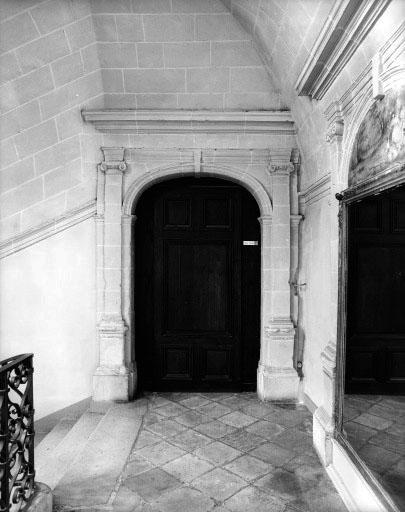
[119, 187]
[266, 171]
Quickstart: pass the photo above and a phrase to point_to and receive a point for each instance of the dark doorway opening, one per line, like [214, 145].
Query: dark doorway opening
[375, 346]
[197, 286]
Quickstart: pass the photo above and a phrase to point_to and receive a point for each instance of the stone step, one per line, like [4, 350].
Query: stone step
[92, 477]
[51, 467]
[52, 440]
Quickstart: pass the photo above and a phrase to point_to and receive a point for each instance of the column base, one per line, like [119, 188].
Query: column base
[114, 385]
[277, 383]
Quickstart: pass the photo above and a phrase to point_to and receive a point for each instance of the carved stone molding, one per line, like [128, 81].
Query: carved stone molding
[280, 328]
[190, 121]
[295, 220]
[334, 132]
[348, 24]
[316, 191]
[113, 160]
[284, 169]
[328, 358]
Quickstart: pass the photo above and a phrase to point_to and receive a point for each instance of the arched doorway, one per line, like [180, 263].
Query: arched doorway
[197, 286]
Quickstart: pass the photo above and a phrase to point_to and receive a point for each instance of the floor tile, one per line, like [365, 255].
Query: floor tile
[389, 442]
[252, 499]
[273, 454]
[287, 415]
[192, 419]
[136, 466]
[219, 484]
[249, 467]
[383, 411]
[235, 402]
[146, 438]
[294, 440]
[188, 467]
[376, 422]
[152, 417]
[265, 429]
[283, 484]
[215, 429]
[378, 458]
[214, 410]
[171, 410]
[126, 500]
[184, 499]
[218, 453]
[315, 500]
[256, 409]
[217, 396]
[243, 440]
[160, 453]
[152, 484]
[190, 440]
[237, 419]
[359, 433]
[194, 401]
[166, 428]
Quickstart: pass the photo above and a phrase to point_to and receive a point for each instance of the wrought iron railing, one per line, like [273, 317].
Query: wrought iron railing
[16, 432]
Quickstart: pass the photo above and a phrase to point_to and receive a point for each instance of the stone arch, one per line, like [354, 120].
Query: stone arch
[141, 184]
[176, 171]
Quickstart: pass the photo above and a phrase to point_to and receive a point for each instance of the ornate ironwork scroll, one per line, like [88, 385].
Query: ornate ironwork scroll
[16, 433]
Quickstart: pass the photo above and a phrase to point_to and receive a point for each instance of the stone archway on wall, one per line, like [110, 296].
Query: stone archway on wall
[119, 189]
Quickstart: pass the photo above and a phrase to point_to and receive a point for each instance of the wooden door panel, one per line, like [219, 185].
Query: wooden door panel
[177, 213]
[217, 213]
[216, 363]
[177, 362]
[196, 286]
[375, 349]
[199, 326]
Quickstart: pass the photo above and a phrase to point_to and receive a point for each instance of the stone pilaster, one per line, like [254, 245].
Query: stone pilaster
[324, 416]
[112, 379]
[277, 378]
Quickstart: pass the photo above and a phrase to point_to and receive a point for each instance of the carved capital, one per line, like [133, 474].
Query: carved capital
[295, 220]
[295, 156]
[111, 327]
[114, 160]
[265, 220]
[334, 132]
[281, 329]
[282, 169]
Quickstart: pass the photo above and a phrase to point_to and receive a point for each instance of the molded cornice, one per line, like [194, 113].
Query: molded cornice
[348, 24]
[194, 121]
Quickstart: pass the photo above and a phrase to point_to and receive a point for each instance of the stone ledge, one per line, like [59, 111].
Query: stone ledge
[190, 121]
[41, 501]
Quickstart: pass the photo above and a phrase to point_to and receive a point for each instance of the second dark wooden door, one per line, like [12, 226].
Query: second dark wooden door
[197, 287]
[375, 354]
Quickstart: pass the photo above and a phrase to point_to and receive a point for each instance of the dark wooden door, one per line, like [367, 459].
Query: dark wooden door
[375, 361]
[197, 287]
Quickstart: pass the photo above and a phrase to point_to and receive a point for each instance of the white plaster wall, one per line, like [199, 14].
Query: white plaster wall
[317, 294]
[47, 306]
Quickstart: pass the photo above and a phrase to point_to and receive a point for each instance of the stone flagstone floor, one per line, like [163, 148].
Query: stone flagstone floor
[223, 452]
[375, 426]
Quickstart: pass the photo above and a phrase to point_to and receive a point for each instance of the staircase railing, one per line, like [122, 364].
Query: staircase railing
[16, 432]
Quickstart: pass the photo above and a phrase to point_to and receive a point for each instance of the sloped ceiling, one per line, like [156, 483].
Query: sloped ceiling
[284, 32]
